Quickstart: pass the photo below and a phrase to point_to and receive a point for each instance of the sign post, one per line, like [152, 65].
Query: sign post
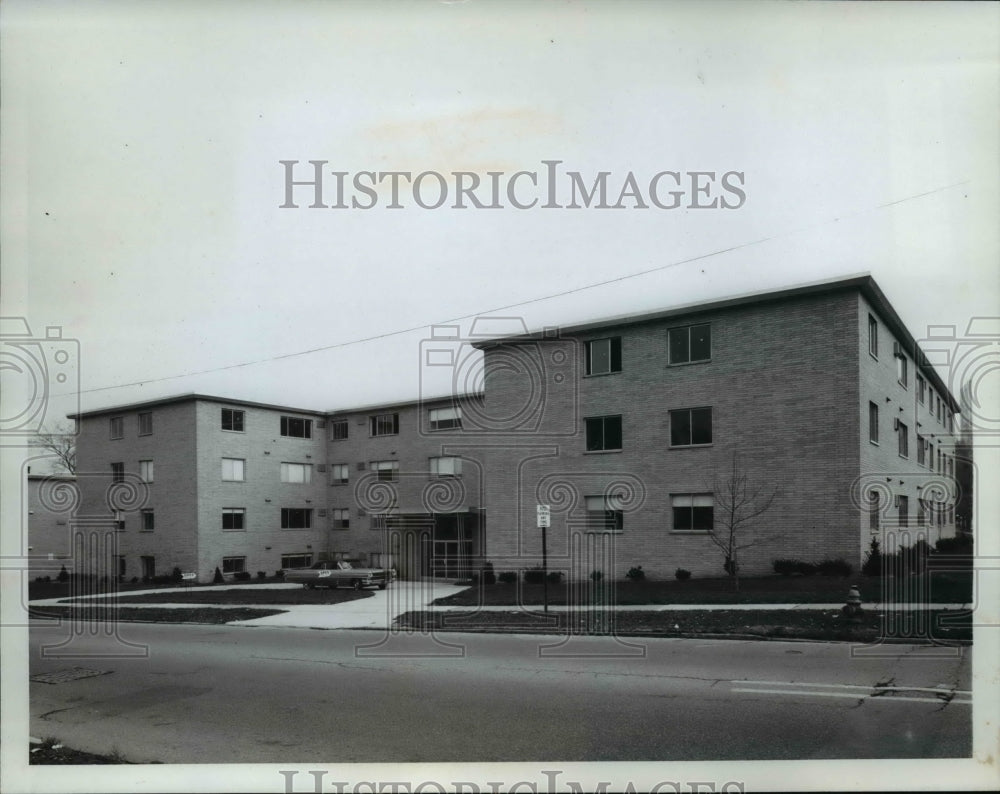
[544, 515]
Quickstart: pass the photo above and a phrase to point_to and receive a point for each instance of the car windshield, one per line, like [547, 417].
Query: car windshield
[344, 566]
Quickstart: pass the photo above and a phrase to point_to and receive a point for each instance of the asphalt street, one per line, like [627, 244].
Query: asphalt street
[226, 694]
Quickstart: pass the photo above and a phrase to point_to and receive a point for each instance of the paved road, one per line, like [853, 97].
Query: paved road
[234, 694]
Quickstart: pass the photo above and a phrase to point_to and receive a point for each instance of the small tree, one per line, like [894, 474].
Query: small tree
[737, 503]
[61, 443]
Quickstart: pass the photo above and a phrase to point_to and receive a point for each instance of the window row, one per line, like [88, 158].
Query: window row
[927, 455]
[688, 344]
[690, 512]
[145, 425]
[145, 471]
[929, 512]
[689, 427]
[387, 424]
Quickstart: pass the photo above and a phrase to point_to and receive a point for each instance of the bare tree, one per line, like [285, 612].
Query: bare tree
[61, 444]
[737, 503]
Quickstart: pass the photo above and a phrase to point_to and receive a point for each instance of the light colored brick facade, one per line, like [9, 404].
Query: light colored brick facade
[788, 379]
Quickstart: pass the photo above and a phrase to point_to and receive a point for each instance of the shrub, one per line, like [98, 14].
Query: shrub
[837, 567]
[278, 574]
[785, 567]
[534, 575]
[682, 574]
[176, 575]
[507, 577]
[135, 579]
[63, 575]
[487, 574]
[960, 544]
[261, 575]
[163, 578]
[242, 576]
[872, 565]
[218, 578]
[635, 574]
[48, 578]
[555, 577]
[596, 576]
[805, 568]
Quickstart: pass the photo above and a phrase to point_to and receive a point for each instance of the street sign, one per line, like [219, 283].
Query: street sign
[544, 515]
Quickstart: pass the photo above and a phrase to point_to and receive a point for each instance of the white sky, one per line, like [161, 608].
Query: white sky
[141, 148]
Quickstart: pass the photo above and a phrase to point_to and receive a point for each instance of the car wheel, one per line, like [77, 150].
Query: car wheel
[356, 584]
[382, 586]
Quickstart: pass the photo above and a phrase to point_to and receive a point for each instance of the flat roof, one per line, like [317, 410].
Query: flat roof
[862, 283]
[181, 398]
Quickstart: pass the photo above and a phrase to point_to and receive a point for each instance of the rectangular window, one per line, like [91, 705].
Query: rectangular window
[293, 427]
[296, 560]
[119, 521]
[873, 336]
[921, 389]
[446, 467]
[234, 564]
[117, 472]
[233, 420]
[921, 451]
[445, 418]
[873, 423]
[603, 514]
[146, 424]
[386, 470]
[148, 523]
[901, 371]
[603, 432]
[338, 430]
[689, 344]
[693, 512]
[921, 513]
[296, 472]
[296, 518]
[117, 427]
[341, 518]
[234, 518]
[233, 469]
[940, 404]
[690, 427]
[146, 470]
[340, 473]
[874, 509]
[384, 424]
[903, 433]
[903, 502]
[604, 356]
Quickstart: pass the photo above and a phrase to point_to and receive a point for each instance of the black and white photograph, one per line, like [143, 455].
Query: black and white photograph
[488, 397]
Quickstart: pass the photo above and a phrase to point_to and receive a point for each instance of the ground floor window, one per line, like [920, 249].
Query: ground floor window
[603, 514]
[148, 520]
[693, 512]
[296, 560]
[148, 567]
[340, 518]
[234, 564]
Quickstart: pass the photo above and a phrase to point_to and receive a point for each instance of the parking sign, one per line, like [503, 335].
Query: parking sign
[544, 515]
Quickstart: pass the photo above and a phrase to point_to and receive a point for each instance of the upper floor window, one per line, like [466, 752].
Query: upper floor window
[293, 427]
[340, 518]
[117, 427]
[338, 430]
[340, 473]
[146, 470]
[690, 426]
[296, 472]
[296, 518]
[604, 514]
[689, 344]
[873, 335]
[386, 470]
[873, 423]
[234, 518]
[921, 450]
[903, 505]
[693, 511]
[604, 356]
[117, 472]
[148, 520]
[901, 364]
[383, 424]
[233, 420]
[446, 467]
[146, 423]
[903, 433]
[874, 509]
[921, 389]
[603, 432]
[445, 418]
[233, 469]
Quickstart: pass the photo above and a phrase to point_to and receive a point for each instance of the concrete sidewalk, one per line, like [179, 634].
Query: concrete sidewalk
[382, 609]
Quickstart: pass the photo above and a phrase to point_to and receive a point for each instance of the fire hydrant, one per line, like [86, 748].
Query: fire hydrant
[852, 609]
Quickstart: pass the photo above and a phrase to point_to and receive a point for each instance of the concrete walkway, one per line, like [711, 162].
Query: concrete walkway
[381, 610]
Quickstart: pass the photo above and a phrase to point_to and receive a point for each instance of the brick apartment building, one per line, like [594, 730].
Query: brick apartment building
[628, 428]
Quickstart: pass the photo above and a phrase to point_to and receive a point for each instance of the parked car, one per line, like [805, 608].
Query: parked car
[335, 574]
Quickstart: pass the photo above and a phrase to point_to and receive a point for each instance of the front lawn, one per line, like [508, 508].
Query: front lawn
[96, 613]
[252, 595]
[938, 587]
